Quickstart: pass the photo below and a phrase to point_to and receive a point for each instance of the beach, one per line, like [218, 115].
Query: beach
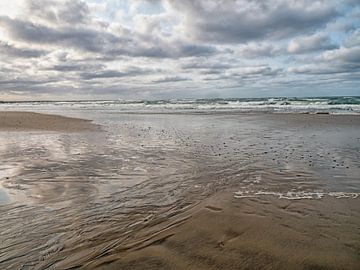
[22, 121]
[179, 135]
[179, 190]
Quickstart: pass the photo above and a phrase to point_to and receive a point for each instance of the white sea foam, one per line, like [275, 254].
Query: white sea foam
[339, 195]
[243, 194]
[295, 195]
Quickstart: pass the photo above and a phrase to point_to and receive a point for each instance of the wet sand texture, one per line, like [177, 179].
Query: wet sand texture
[226, 233]
[180, 191]
[22, 121]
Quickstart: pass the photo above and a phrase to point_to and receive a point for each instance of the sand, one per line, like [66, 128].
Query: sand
[162, 192]
[227, 233]
[23, 121]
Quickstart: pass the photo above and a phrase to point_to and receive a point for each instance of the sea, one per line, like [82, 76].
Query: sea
[331, 105]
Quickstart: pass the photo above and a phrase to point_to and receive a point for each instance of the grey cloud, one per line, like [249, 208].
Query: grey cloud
[211, 72]
[216, 78]
[7, 50]
[165, 50]
[240, 21]
[353, 39]
[342, 26]
[81, 38]
[58, 12]
[205, 45]
[69, 67]
[259, 50]
[342, 60]
[25, 82]
[205, 65]
[171, 79]
[316, 42]
[106, 74]
[97, 41]
[352, 2]
[254, 71]
[344, 55]
[196, 50]
[245, 73]
[316, 70]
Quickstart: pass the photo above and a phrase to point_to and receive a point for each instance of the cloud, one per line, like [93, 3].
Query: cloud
[315, 70]
[69, 67]
[205, 65]
[80, 38]
[12, 51]
[171, 79]
[70, 12]
[100, 41]
[241, 21]
[253, 71]
[344, 55]
[255, 50]
[344, 60]
[353, 39]
[316, 42]
[163, 48]
[106, 74]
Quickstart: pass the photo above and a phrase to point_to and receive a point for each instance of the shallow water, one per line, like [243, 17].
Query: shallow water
[70, 199]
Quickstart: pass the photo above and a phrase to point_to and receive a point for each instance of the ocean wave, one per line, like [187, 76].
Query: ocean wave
[334, 105]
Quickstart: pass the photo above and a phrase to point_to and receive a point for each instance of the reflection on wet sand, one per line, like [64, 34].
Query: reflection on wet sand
[183, 192]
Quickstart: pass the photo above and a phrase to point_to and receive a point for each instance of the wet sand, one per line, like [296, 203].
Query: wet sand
[252, 191]
[22, 121]
[253, 233]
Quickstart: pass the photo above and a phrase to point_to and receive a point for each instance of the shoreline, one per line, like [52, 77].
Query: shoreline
[33, 121]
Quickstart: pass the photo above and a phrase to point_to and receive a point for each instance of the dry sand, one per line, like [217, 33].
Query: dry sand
[23, 121]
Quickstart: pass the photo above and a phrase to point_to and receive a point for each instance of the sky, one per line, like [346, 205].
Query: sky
[167, 49]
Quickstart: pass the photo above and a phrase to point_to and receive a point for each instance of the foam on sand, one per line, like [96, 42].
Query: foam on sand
[295, 195]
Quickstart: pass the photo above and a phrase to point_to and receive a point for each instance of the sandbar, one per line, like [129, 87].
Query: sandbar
[28, 121]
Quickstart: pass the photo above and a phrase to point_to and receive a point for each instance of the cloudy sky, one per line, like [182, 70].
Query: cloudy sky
[158, 49]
